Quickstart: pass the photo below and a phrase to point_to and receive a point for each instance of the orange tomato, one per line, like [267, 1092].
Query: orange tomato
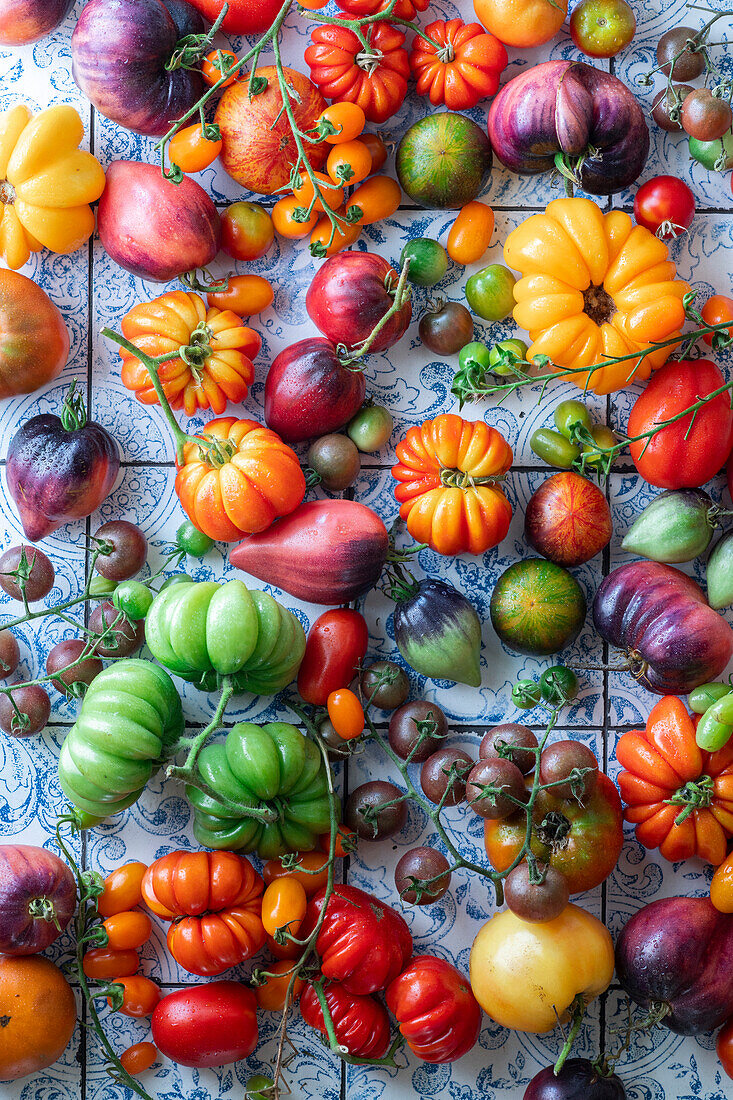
[344, 235]
[377, 199]
[191, 151]
[346, 714]
[349, 163]
[311, 873]
[140, 996]
[127, 931]
[106, 964]
[287, 950]
[721, 888]
[284, 222]
[138, 1058]
[331, 194]
[345, 841]
[347, 119]
[273, 994]
[283, 905]
[522, 22]
[312, 5]
[716, 310]
[213, 65]
[38, 1016]
[122, 889]
[470, 234]
[377, 148]
[245, 295]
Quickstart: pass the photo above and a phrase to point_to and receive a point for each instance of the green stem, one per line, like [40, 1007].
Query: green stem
[196, 744]
[342, 1051]
[401, 296]
[578, 1012]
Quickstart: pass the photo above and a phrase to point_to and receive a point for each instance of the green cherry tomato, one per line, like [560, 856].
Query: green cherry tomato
[558, 685]
[256, 1084]
[474, 356]
[132, 597]
[526, 694]
[715, 728]
[193, 541]
[428, 261]
[490, 292]
[501, 354]
[568, 414]
[100, 587]
[704, 696]
[710, 153]
[175, 578]
[371, 428]
[605, 438]
[554, 449]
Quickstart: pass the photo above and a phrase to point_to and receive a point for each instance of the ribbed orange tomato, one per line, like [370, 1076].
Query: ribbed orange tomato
[448, 471]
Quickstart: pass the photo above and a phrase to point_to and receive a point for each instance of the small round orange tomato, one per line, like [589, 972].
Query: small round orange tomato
[272, 995]
[721, 888]
[191, 151]
[287, 950]
[283, 905]
[213, 67]
[344, 235]
[284, 222]
[122, 889]
[345, 841]
[716, 310]
[128, 931]
[346, 714]
[311, 873]
[347, 119]
[330, 193]
[349, 163]
[245, 295]
[141, 996]
[377, 198]
[521, 23]
[377, 148]
[470, 234]
[138, 1058]
[246, 231]
[104, 964]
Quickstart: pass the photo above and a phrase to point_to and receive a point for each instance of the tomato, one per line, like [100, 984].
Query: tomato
[377, 149]
[122, 889]
[283, 951]
[246, 231]
[490, 292]
[311, 871]
[345, 841]
[521, 22]
[361, 1023]
[437, 1013]
[213, 1024]
[105, 964]
[283, 905]
[337, 643]
[192, 542]
[243, 16]
[245, 295]
[34, 343]
[138, 1058]
[685, 454]
[140, 996]
[191, 150]
[704, 116]
[330, 194]
[721, 887]
[428, 261]
[312, 5]
[128, 930]
[273, 994]
[403, 9]
[715, 311]
[665, 206]
[327, 241]
[602, 28]
[286, 225]
[346, 714]
[375, 78]
[39, 1018]
[724, 1047]
[214, 65]
[470, 234]
[349, 163]
[459, 66]
[347, 120]
[371, 428]
[378, 198]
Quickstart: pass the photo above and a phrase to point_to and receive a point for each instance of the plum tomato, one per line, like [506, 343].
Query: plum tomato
[539, 897]
[122, 548]
[571, 768]
[25, 710]
[128, 930]
[140, 996]
[192, 150]
[417, 730]
[554, 448]
[345, 713]
[138, 1058]
[602, 28]
[446, 329]
[443, 776]
[430, 868]
[346, 121]
[26, 563]
[245, 295]
[9, 654]
[510, 741]
[122, 889]
[675, 57]
[507, 788]
[705, 116]
[335, 459]
[385, 685]
[371, 428]
[70, 670]
[665, 206]
[428, 261]
[490, 292]
[368, 813]
[246, 231]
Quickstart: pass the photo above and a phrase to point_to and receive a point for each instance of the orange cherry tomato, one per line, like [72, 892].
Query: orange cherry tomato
[345, 841]
[332, 195]
[346, 714]
[716, 310]
[312, 5]
[284, 222]
[377, 148]
[348, 119]
[288, 950]
[349, 163]
[378, 198]
[721, 888]
[128, 931]
[122, 889]
[344, 235]
[273, 994]
[141, 996]
[104, 964]
[283, 905]
[312, 872]
[470, 234]
[138, 1058]
[191, 151]
[245, 295]
[213, 66]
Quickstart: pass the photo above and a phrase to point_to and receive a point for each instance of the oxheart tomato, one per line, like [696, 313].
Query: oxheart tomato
[336, 643]
[438, 1014]
[361, 1023]
[34, 343]
[730, 475]
[351, 293]
[206, 1025]
[243, 17]
[665, 206]
[686, 454]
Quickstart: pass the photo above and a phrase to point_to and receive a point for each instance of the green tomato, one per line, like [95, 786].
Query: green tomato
[474, 356]
[134, 598]
[554, 449]
[704, 696]
[568, 414]
[558, 685]
[100, 587]
[715, 728]
[490, 292]
[175, 578]
[526, 694]
[499, 360]
[256, 1084]
[605, 438]
[193, 541]
[371, 428]
[709, 153]
[428, 261]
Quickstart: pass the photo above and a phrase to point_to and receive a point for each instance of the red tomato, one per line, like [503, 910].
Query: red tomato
[337, 642]
[715, 311]
[724, 1047]
[311, 872]
[459, 66]
[730, 476]
[207, 1025]
[345, 842]
[361, 1023]
[682, 455]
[243, 17]
[664, 205]
[438, 1014]
[380, 88]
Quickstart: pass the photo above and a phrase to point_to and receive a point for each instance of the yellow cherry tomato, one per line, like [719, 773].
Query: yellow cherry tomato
[283, 905]
[330, 193]
[128, 931]
[344, 235]
[378, 198]
[284, 222]
[470, 234]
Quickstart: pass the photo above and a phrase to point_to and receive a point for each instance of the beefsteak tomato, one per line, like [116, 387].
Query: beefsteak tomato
[461, 67]
[336, 644]
[438, 1014]
[376, 78]
[243, 16]
[361, 1023]
[34, 343]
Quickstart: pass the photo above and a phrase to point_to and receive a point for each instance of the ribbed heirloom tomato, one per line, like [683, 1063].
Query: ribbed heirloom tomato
[437, 1013]
[361, 1023]
[404, 9]
[375, 79]
[461, 68]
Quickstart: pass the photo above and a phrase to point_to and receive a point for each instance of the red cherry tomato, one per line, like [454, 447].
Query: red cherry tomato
[664, 205]
[138, 1058]
[724, 1047]
[337, 642]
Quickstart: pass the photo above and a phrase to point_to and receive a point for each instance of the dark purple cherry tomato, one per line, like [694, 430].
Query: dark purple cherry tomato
[32, 714]
[124, 550]
[704, 116]
[689, 63]
[558, 763]
[667, 100]
[72, 681]
[508, 781]
[536, 901]
[510, 741]
[9, 654]
[417, 729]
[446, 770]
[124, 639]
[385, 685]
[425, 865]
[35, 567]
[335, 458]
[447, 329]
[366, 813]
[577, 1080]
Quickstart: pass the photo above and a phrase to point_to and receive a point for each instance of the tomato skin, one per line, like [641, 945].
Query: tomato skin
[332, 56]
[283, 905]
[377, 148]
[245, 295]
[285, 224]
[361, 1023]
[470, 234]
[437, 1013]
[246, 231]
[349, 163]
[521, 22]
[141, 996]
[273, 994]
[308, 862]
[128, 930]
[336, 644]
[348, 120]
[138, 1058]
[665, 206]
[206, 1025]
[378, 198]
[476, 61]
[721, 888]
[105, 965]
[243, 16]
[34, 343]
[343, 236]
[724, 1047]
[191, 151]
[332, 195]
[211, 72]
[345, 842]
[716, 310]
[346, 714]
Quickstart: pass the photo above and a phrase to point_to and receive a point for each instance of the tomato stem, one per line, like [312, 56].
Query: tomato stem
[577, 1009]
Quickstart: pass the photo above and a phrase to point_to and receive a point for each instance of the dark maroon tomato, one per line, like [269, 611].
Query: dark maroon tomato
[9, 654]
[365, 811]
[704, 116]
[125, 639]
[666, 101]
[337, 747]
[350, 295]
[430, 868]
[577, 1080]
[417, 729]
[124, 550]
[309, 392]
[72, 681]
[536, 901]
[510, 741]
[558, 763]
[385, 685]
[32, 713]
[446, 329]
[336, 461]
[508, 781]
[35, 567]
[446, 770]
[689, 64]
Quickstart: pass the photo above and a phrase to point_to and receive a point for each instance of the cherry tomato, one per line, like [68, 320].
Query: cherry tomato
[213, 67]
[378, 198]
[245, 295]
[330, 193]
[602, 28]
[347, 119]
[128, 930]
[327, 242]
[704, 116]
[312, 5]
[490, 292]
[191, 151]
[122, 889]
[141, 996]
[371, 428]
[138, 1058]
[105, 964]
[283, 905]
[288, 950]
[345, 841]
[664, 205]
[285, 223]
[273, 995]
[194, 542]
[312, 873]
[716, 310]
[337, 642]
[246, 231]
[132, 597]
[377, 148]
[349, 163]
[724, 1047]
[346, 713]
[470, 234]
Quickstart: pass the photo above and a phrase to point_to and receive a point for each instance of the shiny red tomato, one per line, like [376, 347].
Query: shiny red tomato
[438, 1014]
[337, 642]
[724, 1047]
[665, 206]
[243, 17]
[206, 1025]
[361, 1023]
[376, 78]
